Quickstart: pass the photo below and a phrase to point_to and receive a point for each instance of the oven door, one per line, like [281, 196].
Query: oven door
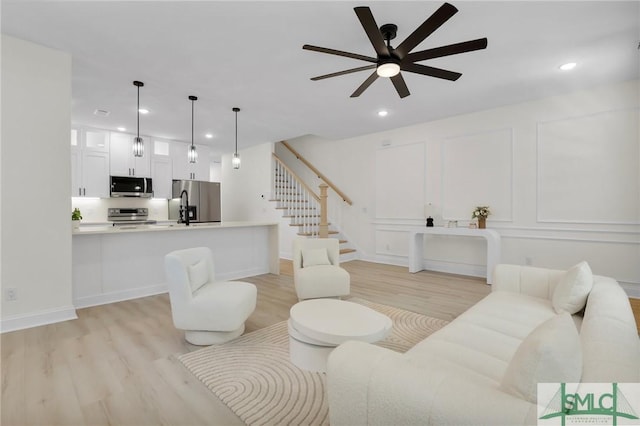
[125, 186]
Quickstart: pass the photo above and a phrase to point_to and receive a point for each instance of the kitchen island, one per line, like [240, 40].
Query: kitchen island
[114, 263]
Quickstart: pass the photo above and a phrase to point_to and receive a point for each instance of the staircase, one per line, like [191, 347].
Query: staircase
[302, 205]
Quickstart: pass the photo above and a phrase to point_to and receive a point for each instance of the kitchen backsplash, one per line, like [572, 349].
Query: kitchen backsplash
[95, 209]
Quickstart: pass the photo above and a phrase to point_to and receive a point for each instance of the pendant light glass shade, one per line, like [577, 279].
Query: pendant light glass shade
[138, 147]
[235, 161]
[192, 154]
[138, 143]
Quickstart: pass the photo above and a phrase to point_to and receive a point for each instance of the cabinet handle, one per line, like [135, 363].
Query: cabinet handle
[133, 173]
[79, 192]
[84, 191]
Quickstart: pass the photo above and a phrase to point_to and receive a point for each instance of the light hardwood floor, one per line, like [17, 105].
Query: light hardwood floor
[116, 364]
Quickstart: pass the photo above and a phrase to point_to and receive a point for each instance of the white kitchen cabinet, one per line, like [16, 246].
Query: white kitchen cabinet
[123, 162]
[161, 176]
[183, 169]
[89, 163]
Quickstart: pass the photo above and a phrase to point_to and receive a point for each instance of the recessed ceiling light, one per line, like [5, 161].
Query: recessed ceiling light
[121, 129]
[208, 136]
[143, 111]
[383, 113]
[568, 66]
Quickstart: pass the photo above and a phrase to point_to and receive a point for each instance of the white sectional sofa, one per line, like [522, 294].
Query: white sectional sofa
[482, 368]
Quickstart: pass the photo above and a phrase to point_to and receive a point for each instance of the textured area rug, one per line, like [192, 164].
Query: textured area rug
[253, 376]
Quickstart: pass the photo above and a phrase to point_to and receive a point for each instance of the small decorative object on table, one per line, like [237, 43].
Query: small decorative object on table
[76, 217]
[481, 213]
[429, 211]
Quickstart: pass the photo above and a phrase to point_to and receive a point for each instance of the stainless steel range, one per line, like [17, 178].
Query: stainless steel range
[129, 216]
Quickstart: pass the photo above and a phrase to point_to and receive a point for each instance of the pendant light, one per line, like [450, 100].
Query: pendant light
[138, 144]
[192, 155]
[236, 158]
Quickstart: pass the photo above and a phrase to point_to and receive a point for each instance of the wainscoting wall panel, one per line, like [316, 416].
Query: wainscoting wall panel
[399, 182]
[477, 170]
[593, 158]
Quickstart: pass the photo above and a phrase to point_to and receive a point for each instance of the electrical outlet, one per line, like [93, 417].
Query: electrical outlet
[11, 294]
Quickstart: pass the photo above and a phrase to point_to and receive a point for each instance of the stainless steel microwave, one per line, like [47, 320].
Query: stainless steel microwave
[126, 186]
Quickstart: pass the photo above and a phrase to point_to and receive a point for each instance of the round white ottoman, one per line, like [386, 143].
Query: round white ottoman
[317, 326]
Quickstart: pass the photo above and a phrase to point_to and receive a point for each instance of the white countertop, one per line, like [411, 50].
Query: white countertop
[93, 229]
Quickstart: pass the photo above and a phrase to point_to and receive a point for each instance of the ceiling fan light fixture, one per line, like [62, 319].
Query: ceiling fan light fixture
[388, 69]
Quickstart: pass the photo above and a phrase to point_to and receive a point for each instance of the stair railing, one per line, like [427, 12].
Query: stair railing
[318, 173]
[298, 200]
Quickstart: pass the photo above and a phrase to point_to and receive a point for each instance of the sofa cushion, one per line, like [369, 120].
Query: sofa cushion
[315, 257]
[482, 340]
[550, 354]
[570, 295]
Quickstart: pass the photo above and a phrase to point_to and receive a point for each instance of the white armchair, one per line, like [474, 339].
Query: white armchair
[316, 269]
[210, 312]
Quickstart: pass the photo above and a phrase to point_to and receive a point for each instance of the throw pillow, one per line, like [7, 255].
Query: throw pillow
[315, 257]
[198, 275]
[570, 295]
[551, 353]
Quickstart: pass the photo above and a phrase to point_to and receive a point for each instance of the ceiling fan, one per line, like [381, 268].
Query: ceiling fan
[390, 61]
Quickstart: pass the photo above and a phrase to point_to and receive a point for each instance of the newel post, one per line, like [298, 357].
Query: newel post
[324, 225]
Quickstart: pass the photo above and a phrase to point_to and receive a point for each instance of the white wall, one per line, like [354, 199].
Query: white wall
[36, 225]
[245, 192]
[561, 176]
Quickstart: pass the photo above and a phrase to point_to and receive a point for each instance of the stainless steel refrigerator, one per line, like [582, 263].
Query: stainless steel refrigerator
[204, 200]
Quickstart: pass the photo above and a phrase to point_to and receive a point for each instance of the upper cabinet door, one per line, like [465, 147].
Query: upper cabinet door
[95, 174]
[95, 140]
[183, 169]
[123, 162]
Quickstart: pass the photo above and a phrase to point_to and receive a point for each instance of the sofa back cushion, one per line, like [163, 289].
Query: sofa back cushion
[610, 343]
[551, 353]
[570, 295]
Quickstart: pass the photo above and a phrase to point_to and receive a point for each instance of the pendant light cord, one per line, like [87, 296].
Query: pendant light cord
[236, 131]
[138, 112]
[192, 122]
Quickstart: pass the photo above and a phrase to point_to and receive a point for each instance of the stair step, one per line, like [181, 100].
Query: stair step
[290, 201]
[309, 234]
[342, 241]
[347, 250]
[305, 224]
[297, 208]
[301, 215]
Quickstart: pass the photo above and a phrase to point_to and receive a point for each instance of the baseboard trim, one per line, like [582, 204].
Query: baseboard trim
[51, 316]
[119, 296]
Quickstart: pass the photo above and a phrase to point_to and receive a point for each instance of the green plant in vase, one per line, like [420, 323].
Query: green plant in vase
[76, 217]
[481, 213]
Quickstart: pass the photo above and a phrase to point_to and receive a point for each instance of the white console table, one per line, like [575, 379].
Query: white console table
[416, 245]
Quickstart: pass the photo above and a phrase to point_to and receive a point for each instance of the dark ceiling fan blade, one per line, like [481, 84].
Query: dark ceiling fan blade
[430, 71]
[373, 77]
[371, 28]
[339, 73]
[339, 53]
[432, 23]
[400, 85]
[451, 49]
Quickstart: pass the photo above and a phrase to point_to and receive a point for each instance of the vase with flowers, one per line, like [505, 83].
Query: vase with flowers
[481, 213]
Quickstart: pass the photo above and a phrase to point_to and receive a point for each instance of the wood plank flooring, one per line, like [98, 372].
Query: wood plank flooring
[116, 364]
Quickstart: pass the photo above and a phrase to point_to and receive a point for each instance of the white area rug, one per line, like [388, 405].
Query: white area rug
[253, 376]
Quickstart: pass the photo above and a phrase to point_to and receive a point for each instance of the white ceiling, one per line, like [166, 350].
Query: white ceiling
[249, 55]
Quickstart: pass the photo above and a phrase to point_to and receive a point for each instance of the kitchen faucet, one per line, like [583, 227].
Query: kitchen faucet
[184, 213]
